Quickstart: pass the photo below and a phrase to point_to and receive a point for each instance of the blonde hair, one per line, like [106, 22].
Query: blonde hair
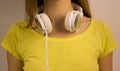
[32, 6]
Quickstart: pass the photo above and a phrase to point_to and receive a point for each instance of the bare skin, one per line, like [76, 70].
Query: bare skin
[57, 13]
[13, 63]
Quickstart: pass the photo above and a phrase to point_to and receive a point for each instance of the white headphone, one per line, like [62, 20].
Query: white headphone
[71, 21]
[71, 24]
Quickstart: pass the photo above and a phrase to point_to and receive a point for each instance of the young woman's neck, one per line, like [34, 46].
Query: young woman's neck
[57, 9]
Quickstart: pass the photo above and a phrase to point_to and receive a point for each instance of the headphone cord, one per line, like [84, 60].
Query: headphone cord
[47, 68]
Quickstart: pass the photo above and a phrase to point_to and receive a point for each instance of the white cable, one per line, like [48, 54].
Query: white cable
[47, 68]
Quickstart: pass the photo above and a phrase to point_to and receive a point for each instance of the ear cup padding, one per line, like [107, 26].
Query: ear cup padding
[45, 22]
[67, 21]
[40, 23]
[71, 20]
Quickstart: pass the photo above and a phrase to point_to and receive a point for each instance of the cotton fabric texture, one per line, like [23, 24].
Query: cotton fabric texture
[77, 53]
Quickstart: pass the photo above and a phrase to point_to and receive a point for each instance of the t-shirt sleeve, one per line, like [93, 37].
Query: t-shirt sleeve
[10, 41]
[109, 43]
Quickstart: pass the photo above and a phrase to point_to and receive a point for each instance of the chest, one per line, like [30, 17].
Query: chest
[65, 54]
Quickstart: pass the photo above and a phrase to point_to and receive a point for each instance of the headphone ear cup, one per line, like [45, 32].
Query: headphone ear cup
[44, 22]
[71, 21]
[68, 21]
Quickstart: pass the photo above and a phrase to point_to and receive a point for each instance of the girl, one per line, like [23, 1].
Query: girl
[76, 41]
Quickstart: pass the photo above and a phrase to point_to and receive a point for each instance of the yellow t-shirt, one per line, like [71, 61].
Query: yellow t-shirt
[78, 53]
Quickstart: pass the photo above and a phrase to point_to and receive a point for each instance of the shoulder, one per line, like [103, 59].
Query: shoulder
[99, 25]
[16, 28]
[21, 24]
[94, 24]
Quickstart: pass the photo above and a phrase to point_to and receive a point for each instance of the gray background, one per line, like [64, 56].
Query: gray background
[12, 11]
